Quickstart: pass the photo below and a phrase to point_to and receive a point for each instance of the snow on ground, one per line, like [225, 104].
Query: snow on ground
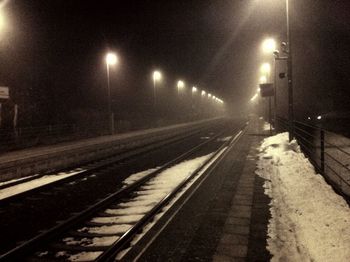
[121, 218]
[17, 189]
[224, 139]
[310, 222]
[13, 180]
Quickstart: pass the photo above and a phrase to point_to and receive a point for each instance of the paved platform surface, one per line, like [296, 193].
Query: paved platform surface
[44, 150]
[226, 218]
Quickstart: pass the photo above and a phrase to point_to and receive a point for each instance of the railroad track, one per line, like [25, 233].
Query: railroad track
[90, 169]
[103, 230]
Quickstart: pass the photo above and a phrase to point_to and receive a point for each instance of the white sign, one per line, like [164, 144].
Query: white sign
[4, 92]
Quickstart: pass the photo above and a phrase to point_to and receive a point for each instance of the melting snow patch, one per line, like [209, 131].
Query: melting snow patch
[224, 139]
[310, 222]
[107, 230]
[82, 256]
[17, 189]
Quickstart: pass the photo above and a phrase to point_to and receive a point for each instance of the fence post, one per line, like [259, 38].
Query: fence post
[322, 150]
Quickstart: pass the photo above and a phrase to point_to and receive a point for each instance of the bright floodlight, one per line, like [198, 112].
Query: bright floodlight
[265, 68]
[319, 117]
[157, 75]
[263, 79]
[180, 84]
[209, 95]
[203, 93]
[194, 89]
[269, 46]
[111, 59]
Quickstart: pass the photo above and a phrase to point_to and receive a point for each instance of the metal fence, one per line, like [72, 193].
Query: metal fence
[327, 151]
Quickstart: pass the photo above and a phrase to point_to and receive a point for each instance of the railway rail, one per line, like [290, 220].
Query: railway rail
[90, 168]
[100, 232]
[23, 216]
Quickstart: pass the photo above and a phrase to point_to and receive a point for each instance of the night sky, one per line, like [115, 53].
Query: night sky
[52, 52]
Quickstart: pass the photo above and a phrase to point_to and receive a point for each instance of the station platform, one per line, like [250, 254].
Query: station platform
[42, 159]
[225, 219]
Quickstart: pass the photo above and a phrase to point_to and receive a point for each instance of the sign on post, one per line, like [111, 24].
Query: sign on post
[4, 92]
[266, 90]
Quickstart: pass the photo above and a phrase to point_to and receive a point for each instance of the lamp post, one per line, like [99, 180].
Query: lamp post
[156, 77]
[289, 77]
[111, 59]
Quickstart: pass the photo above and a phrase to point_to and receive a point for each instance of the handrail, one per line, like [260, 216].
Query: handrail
[314, 142]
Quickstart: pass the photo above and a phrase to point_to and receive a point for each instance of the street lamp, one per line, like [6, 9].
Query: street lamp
[157, 76]
[289, 75]
[180, 85]
[268, 46]
[111, 60]
[203, 93]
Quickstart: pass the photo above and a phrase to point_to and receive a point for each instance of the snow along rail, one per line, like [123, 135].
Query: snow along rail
[88, 169]
[110, 245]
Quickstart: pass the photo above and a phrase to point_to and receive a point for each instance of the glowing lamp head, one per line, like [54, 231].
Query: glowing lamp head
[111, 59]
[2, 20]
[194, 89]
[203, 93]
[180, 84]
[269, 46]
[157, 76]
[209, 95]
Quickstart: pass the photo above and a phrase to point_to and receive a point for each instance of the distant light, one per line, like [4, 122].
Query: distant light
[180, 84]
[111, 59]
[209, 95]
[254, 97]
[265, 68]
[214, 97]
[319, 117]
[2, 21]
[309, 118]
[194, 89]
[157, 76]
[203, 93]
[262, 80]
[258, 90]
[268, 46]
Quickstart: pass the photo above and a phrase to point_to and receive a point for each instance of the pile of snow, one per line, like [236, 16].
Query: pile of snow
[310, 222]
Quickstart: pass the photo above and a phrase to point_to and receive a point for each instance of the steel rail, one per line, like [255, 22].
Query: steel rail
[41, 239]
[119, 245]
[120, 157]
